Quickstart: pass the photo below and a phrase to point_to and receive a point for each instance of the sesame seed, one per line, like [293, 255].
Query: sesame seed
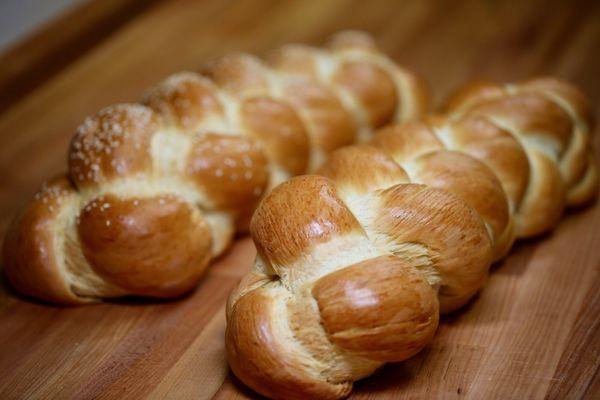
[230, 162]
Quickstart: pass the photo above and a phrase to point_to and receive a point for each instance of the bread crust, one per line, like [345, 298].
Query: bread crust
[401, 229]
[156, 190]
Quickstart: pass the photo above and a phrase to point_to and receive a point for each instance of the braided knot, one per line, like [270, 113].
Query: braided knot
[156, 190]
[400, 229]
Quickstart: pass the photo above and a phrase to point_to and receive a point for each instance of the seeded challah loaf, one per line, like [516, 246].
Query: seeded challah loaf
[156, 190]
[399, 230]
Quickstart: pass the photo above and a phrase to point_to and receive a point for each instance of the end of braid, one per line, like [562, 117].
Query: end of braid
[551, 121]
[319, 307]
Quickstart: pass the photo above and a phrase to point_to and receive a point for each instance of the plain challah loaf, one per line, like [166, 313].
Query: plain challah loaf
[156, 190]
[398, 230]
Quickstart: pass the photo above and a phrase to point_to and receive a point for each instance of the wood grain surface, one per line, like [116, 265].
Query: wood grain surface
[534, 332]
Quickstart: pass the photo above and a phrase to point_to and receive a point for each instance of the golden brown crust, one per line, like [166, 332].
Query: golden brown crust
[369, 85]
[452, 234]
[113, 143]
[407, 141]
[184, 100]
[238, 73]
[419, 100]
[230, 170]
[551, 121]
[544, 202]
[332, 125]
[373, 87]
[250, 281]
[30, 258]
[497, 148]
[312, 213]
[379, 308]
[469, 179]
[295, 59]
[280, 131]
[471, 93]
[530, 114]
[574, 98]
[427, 207]
[362, 167]
[586, 190]
[258, 354]
[216, 141]
[390, 314]
[156, 246]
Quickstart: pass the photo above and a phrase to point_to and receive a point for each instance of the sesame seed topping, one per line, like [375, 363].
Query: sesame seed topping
[247, 160]
[100, 135]
[230, 162]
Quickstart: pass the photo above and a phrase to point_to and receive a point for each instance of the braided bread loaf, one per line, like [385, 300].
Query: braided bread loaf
[398, 230]
[156, 191]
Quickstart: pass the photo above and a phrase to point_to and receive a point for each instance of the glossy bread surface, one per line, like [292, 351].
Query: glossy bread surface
[156, 190]
[355, 266]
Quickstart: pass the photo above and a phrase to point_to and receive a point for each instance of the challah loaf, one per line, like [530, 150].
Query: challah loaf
[156, 190]
[398, 230]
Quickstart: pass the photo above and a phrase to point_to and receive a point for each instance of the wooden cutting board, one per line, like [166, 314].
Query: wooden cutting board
[532, 333]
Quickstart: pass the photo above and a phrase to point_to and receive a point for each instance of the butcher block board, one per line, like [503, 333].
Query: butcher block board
[532, 333]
